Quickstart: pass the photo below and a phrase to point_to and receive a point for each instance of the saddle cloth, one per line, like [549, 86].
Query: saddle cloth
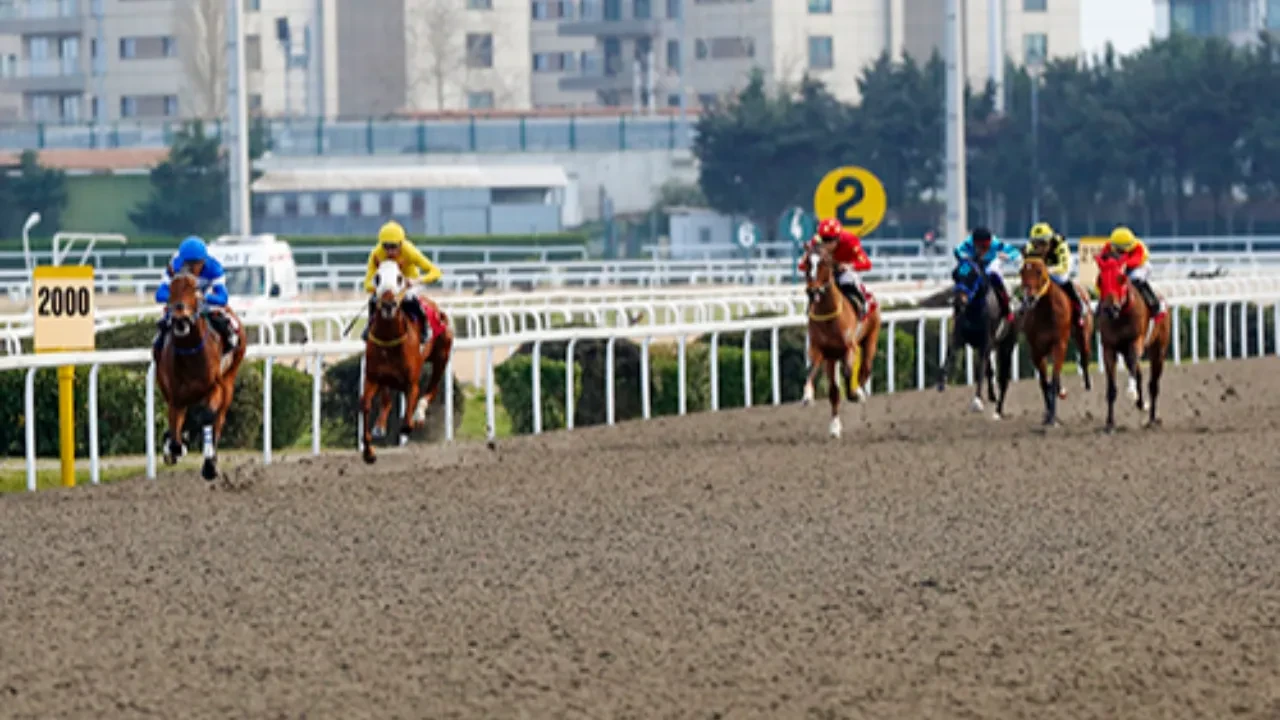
[435, 321]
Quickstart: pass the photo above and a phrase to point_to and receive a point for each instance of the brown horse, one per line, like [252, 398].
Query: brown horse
[1124, 322]
[837, 335]
[1048, 325]
[394, 355]
[193, 370]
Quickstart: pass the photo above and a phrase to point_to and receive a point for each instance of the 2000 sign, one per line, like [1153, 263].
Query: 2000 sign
[63, 301]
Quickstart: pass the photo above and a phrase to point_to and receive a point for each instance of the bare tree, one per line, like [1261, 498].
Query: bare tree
[202, 45]
[435, 46]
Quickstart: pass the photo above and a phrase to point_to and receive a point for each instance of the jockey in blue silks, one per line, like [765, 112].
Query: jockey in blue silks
[985, 249]
[193, 257]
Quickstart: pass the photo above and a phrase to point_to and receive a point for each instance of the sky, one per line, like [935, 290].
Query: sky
[1126, 23]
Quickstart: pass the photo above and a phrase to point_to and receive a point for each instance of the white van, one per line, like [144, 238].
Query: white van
[259, 268]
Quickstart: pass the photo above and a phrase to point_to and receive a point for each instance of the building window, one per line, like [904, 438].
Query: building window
[673, 55]
[128, 48]
[128, 107]
[275, 205]
[168, 47]
[1036, 46]
[255, 102]
[401, 203]
[479, 4]
[252, 5]
[673, 9]
[479, 50]
[704, 235]
[306, 205]
[482, 100]
[700, 49]
[339, 204]
[821, 53]
[819, 7]
[731, 48]
[252, 52]
[171, 106]
[71, 108]
[641, 9]
[552, 9]
[370, 204]
[95, 107]
[1035, 5]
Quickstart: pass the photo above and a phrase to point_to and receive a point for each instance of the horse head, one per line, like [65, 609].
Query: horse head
[968, 282]
[1035, 280]
[1113, 285]
[388, 286]
[818, 276]
[184, 303]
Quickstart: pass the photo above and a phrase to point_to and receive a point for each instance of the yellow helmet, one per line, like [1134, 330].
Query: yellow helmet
[1123, 238]
[1041, 231]
[391, 234]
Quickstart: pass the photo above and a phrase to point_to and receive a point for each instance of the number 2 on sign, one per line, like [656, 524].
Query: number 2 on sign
[857, 193]
[57, 301]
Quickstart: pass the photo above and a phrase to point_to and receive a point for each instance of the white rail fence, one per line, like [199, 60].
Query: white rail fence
[1233, 327]
[344, 278]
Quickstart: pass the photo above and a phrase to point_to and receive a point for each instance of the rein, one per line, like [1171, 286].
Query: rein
[831, 315]
[396, 341]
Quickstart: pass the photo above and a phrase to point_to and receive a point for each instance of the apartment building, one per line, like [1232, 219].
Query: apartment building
[430, 55]
[1239, 21]
[719, 43]
[73, 61]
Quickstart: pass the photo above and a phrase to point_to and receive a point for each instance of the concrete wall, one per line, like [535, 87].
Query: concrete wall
[631, 178]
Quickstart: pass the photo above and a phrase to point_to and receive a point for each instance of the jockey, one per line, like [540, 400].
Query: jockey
[985, 249]
[193, 256]
[393, 245]
[1125, 245]
[850, 259]
[1052, 248]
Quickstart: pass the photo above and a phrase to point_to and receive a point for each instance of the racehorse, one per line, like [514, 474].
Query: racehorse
[1048, 325]
[394, 355]
[836, 335]
[975, 319]
[1124, 322]
[192, 370]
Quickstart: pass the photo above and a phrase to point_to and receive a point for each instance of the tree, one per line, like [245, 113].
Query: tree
[202, 47]
[38, 189]
[440, 62]
[188, 189]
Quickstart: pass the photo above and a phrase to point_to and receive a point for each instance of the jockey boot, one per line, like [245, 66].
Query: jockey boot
[854, 294]
[1002, 295]
[162, 327]
[1149, 297]
[1070, 288]
[222, 325]
[415, 311]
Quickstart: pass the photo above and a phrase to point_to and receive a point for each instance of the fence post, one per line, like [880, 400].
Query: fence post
[524, 140]
[151, 421]
[536, 369]
[683, 376]
[448, 399]
[368, 136]
[422, 136]
[317, 381]
[490, 413]
[568, 384]
[645, 407]
[29, 417]
[266, 410]
[573, 132]
[715, 370]
[746, 368]
[920, 351]
[95, 472]
[609, 373]
[775, 374]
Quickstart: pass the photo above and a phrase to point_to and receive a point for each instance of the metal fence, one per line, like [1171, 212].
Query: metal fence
[373, 136]
[1232, 336]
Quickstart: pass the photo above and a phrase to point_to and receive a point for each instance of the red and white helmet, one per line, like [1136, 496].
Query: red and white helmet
[829, 229]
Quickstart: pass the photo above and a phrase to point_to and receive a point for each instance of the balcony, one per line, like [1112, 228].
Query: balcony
[45, 76]
[41, 17]
[598, 75]
[596, 18]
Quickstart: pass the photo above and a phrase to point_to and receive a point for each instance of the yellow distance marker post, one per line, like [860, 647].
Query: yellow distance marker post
[62, 321]
[852, 195]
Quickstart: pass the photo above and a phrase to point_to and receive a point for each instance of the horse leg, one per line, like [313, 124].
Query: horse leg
[366, 410]
[991, 371]
[439, 356]
[1131, 360]
[173, 446]
[1109, 366]
[384, 413]
[415, 415]
[1082, 334]
[944, 372]
[815, 365]
[1157, 369]
[867, 360]
[219, 404]
[1059, 357]
[846, 372]
[1004, 371]
[833, 393]
[1046, 388]
[984, 373]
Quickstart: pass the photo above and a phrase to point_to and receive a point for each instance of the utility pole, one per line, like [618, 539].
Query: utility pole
[957, 195]
[238, 125]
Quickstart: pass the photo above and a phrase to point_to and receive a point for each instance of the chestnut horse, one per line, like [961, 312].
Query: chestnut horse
[1048, 326]
[394, 355]
[1124, 322]
[837, 335]
[192, 370]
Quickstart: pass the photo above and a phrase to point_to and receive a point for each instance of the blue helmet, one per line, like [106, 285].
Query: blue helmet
[192, 250]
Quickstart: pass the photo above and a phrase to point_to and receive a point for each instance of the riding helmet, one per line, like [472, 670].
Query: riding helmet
[391, 234]
[829, 229]
[192, 250]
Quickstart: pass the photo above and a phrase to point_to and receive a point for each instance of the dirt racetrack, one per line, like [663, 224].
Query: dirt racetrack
[932, 564]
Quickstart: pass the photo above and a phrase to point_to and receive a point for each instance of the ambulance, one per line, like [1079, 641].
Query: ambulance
[260, 271]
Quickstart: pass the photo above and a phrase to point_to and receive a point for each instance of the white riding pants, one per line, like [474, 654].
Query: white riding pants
[848, 277]
[1060, 278]
[1140, 273]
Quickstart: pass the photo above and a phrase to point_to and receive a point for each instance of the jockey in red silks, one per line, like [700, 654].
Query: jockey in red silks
[849, 257]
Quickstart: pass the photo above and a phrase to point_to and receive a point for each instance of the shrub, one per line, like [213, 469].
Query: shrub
[515, 385]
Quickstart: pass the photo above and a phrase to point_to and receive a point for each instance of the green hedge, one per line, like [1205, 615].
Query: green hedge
[515, 386]
[340, 399]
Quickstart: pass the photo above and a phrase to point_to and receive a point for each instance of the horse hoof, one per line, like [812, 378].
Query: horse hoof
[169, 459]
[975, 405]
[369, 457]
[941, 387]
[209, 470]
[404, 439]
[808, 396]
[379, 432]
[860, 395]
[1153, 424]
[1140, 405]
[835, 427]
[420, 414]
[1110, 429]
[1062, 394]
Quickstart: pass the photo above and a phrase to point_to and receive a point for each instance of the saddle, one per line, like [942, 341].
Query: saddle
[435, 321]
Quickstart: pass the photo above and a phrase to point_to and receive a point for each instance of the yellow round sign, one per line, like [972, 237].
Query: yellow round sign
[853, 196]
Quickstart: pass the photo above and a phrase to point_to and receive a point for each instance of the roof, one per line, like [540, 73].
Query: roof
[100, 160]
[417, 177]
